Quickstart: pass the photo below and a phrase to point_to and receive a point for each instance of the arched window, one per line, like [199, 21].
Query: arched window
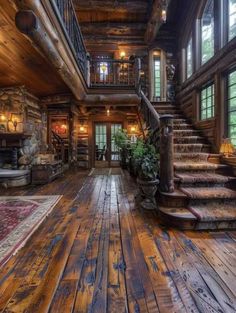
[189, 58]
[231, 19]
[207, 32]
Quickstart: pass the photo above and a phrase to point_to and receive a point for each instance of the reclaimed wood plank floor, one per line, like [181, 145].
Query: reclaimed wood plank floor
[98, 253]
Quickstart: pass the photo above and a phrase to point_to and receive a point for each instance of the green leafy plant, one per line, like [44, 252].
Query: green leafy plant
[122, 141]
[121, 138]
[146, 160]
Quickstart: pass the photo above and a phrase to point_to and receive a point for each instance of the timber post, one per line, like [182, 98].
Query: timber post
[166, 154]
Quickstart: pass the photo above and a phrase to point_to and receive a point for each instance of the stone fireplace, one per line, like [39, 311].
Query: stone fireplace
[21, 131]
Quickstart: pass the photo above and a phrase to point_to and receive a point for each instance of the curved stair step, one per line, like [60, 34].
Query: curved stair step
[207, 193]
[189, 165]
[214, 211]
[203, 179]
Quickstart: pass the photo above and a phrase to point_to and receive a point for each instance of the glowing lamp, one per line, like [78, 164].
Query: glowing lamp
[108, 112]
[133, 129]
[226, 147]
[63, 126]
[2, 117]
[122, 54]
[81, 129]
[163, 16]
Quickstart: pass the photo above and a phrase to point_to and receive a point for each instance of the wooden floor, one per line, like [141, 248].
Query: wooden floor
[97, 253]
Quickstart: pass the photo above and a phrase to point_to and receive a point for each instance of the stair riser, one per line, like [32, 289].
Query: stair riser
[188, 140]
[191, 148]
[184, 127]
[215, 225]
[185, 133]
[171, 201]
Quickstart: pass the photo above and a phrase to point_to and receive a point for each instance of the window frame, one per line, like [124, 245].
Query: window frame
[157, 58]
[227, 99]
[227, 26]
[212, 106]
[186, 58]
[200, 41]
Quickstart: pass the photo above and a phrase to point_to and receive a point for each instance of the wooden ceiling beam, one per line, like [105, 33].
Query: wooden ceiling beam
[155, 21]
[106, 28]
[111, 6]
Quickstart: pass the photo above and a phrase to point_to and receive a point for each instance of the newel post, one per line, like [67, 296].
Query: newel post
[137, 74]
[166, 154]
[88, 69]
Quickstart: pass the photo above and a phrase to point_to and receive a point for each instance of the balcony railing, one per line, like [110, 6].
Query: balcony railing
[66, 15]
[110, 73]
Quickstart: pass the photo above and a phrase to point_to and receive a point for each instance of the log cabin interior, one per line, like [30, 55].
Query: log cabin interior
[117, 156]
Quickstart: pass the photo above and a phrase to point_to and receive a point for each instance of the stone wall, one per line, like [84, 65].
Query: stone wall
[17, 104]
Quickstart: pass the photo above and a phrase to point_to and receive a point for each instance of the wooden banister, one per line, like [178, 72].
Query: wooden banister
[162, 138]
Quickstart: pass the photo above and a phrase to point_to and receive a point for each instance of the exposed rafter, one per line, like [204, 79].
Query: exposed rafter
[113, 29]
[155, 20]
[109, 6]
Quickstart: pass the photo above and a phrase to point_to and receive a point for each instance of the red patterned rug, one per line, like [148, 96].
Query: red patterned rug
[19, 218]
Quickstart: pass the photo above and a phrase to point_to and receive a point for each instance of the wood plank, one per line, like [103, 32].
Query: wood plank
[117, 299]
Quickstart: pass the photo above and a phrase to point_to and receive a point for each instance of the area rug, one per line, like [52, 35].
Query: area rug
[19, 218]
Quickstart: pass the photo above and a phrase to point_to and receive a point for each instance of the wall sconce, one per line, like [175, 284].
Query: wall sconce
[81, 127]
[226, 148]
[3, 117]
[133, 129]
[64, 126]
[122, 54]
[16, 119]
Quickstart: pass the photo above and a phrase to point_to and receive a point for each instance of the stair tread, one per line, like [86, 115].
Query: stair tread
[214, 211]
[203, 177]
[209, 192]
[181, 213]
[190, 165]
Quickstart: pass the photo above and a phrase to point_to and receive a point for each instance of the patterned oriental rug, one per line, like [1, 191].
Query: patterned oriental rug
[19, 218]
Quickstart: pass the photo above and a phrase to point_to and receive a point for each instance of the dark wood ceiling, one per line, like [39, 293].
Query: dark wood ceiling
[113, 24]
[20, 62]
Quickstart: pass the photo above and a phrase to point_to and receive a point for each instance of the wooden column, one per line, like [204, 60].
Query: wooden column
[137, 65]
[166, 154]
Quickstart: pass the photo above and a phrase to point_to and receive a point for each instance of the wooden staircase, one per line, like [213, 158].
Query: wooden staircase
[205, 193]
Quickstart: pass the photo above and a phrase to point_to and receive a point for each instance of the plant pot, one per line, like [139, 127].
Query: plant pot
[148, 189]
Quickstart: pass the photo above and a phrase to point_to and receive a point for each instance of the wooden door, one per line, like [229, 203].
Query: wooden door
[106, 152]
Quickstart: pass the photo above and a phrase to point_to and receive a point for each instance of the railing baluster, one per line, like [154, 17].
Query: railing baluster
[64, 9]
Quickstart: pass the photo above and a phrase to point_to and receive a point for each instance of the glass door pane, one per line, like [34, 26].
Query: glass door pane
[115, 156]
[101, 155]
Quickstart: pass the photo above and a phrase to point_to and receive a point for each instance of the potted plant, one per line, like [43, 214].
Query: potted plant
[146, 159]
[122, 141]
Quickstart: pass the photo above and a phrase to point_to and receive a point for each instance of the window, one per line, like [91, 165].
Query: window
[231, 19]
[207, 32]
[157, 77]
[189, 58]
[207, 105]
[231, 101]
[103, 71]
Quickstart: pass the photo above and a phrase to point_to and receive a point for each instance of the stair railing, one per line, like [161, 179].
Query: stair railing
[58, 145]
[66, 15]
[161, 136]
[110, 72]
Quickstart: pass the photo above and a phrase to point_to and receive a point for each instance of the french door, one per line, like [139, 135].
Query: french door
[106, 153]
